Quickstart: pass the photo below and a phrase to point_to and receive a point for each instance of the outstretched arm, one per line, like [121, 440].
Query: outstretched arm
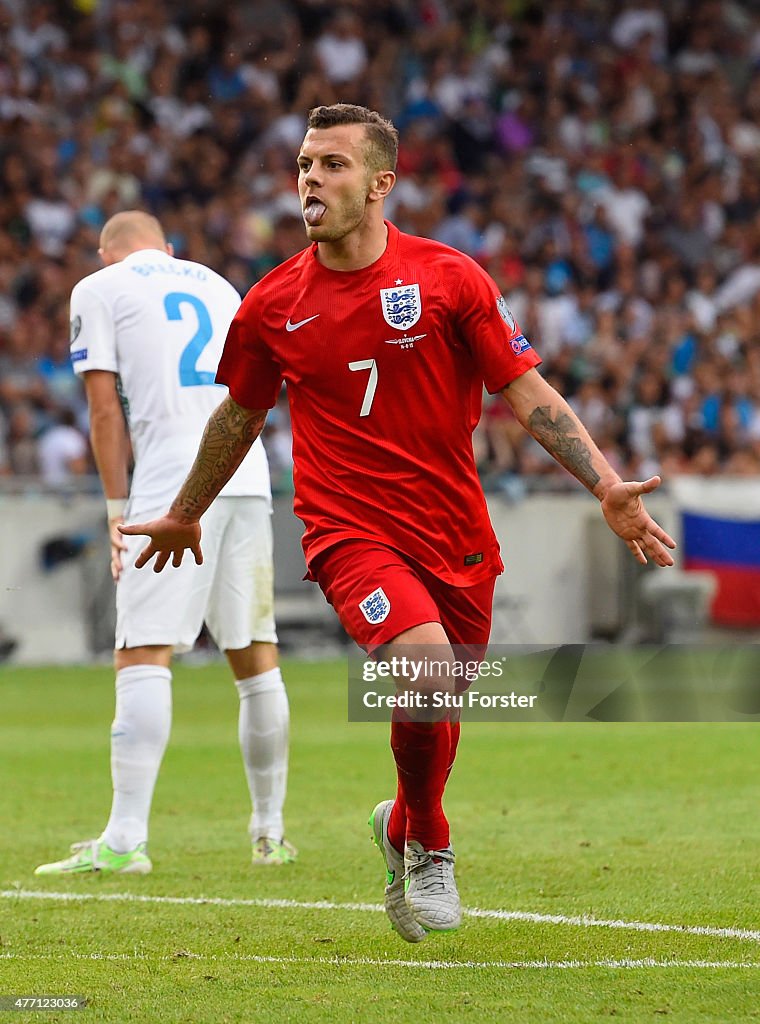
[229, 434]
[547, 416]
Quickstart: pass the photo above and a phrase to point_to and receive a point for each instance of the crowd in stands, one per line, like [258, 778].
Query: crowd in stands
[600, 160]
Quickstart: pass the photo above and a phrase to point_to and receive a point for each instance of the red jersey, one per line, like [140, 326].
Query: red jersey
[385, 368]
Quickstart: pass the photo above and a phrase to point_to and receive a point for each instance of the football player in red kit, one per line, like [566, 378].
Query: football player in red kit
[385, 341]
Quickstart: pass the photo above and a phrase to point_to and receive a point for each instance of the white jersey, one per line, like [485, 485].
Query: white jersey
[160, 323]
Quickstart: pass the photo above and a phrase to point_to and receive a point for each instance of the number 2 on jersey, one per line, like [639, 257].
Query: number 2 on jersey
[369, 394]
[189, 375]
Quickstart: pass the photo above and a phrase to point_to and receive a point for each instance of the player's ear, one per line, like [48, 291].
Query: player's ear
[381, 184]
[170, 248]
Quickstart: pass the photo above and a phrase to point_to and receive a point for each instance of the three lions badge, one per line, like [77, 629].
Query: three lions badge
[402, 306]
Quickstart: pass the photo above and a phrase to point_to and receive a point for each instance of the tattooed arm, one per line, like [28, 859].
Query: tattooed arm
[229, 434]
[546, 415]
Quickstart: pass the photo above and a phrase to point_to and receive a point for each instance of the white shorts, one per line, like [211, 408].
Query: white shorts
[233, 591]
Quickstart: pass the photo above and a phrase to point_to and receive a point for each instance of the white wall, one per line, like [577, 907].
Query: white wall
[44, 611]
[542, 595]
[564, 569]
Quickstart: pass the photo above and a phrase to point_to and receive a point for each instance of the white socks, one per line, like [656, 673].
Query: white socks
[140, 732]
[139, 735]
[263, 728]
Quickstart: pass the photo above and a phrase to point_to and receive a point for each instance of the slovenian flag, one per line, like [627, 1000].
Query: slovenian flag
[720, 522]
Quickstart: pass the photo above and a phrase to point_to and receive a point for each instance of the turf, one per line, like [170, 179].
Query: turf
[651, 823]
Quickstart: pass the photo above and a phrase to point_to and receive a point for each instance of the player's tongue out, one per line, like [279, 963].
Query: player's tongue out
[314, 211]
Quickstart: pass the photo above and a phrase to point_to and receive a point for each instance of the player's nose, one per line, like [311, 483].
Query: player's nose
[312, 178]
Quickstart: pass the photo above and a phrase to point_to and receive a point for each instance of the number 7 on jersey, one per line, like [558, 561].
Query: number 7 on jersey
[369, 394]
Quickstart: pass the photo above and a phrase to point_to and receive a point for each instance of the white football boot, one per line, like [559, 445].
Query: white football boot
[396, 908]
[431, 892]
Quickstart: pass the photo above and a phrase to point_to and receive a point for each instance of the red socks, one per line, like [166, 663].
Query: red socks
[397, 821]
[424, 754]
[456, 728]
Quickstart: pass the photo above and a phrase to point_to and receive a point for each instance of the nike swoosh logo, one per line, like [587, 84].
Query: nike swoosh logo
[294, 327]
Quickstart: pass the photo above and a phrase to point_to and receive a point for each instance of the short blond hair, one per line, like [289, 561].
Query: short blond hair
[131, 230]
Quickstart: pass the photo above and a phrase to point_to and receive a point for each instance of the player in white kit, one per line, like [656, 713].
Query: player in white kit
[147, 332]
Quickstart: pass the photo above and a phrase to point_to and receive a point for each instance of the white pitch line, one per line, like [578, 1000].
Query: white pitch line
[578, 921]
[363, 961]
[586, 921]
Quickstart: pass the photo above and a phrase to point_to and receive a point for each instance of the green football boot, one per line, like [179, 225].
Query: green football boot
[93, 856]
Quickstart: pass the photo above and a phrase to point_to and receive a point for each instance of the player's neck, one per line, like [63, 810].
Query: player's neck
[357, 250]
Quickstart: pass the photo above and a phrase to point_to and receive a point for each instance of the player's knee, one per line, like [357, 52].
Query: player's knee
[159, 655]
[253, 660]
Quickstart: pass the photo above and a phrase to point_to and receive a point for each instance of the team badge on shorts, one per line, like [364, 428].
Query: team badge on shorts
[402, 306]
[375, 607]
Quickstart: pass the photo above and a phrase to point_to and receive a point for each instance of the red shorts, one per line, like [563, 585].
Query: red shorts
[379, 594]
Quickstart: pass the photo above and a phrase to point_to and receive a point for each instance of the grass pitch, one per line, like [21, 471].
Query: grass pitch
[577, 836]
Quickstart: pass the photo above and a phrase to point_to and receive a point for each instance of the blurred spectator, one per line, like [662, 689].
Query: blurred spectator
[50, 216]
[63, 451]
[340, 49]
[23, 453]
[701, 300]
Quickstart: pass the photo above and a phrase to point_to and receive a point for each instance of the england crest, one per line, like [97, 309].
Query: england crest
[375, 607]
[402, 306]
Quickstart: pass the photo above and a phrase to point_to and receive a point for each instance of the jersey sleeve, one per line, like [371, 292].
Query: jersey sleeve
[487, 327]
[247, 367]
[93, 334]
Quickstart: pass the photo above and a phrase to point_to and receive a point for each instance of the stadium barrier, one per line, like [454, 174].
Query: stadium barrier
[567, 579]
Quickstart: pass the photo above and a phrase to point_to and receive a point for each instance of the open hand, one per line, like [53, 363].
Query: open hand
[624, 511]
[169, 538]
